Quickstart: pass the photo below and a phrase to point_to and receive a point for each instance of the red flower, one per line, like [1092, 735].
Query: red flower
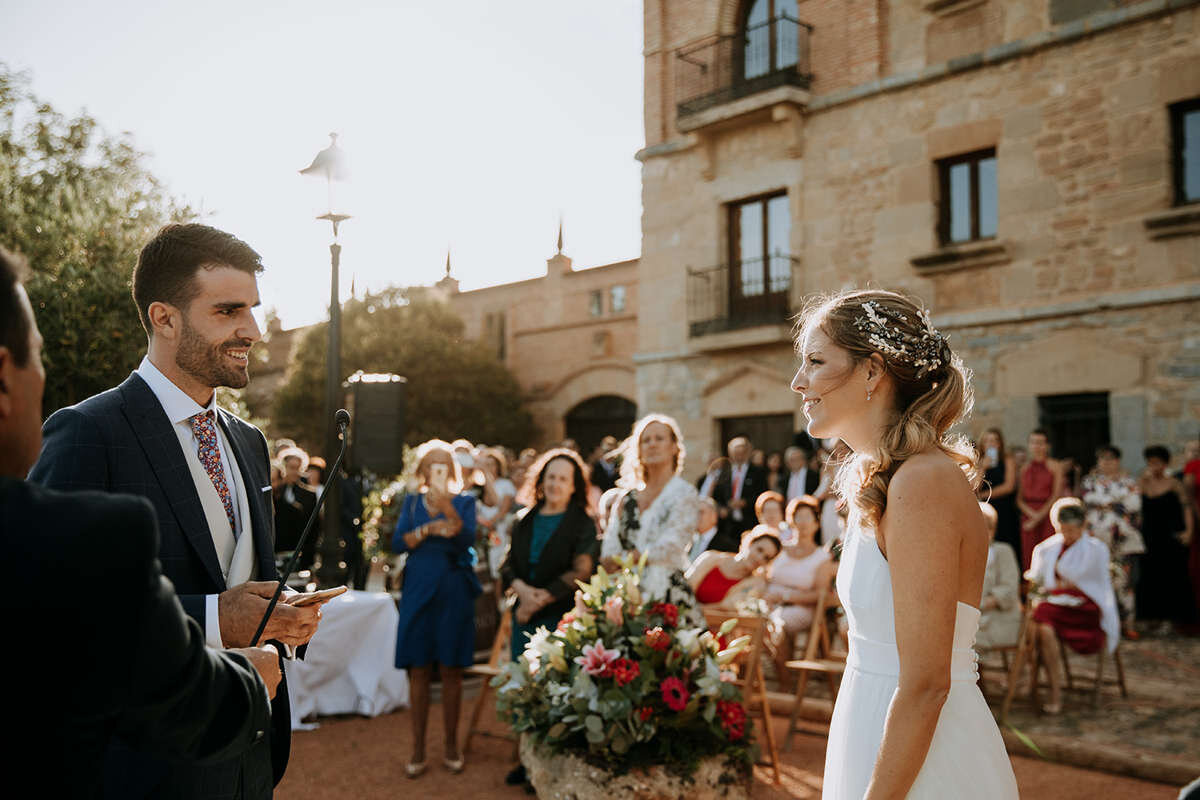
[624, 671]
[668, 611]
[644, 712]
[658, 639]
[733, 718]
[674, 694]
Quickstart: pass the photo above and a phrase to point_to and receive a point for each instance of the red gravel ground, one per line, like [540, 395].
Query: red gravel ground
[363, 759]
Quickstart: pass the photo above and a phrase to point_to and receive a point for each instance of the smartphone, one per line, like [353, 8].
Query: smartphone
[317, 597]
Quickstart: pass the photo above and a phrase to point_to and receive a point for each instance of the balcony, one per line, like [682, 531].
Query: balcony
[755, 292]
[773, 55]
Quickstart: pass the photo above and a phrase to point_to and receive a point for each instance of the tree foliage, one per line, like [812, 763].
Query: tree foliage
[79, 204]
[455, 387]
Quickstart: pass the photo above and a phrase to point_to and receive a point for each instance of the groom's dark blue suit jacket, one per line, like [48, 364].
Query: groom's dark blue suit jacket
[122, 441]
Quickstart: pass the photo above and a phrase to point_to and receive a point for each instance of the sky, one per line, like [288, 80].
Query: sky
[471, 126]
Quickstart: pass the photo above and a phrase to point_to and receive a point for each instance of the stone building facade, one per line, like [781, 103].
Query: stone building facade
[1022, 166]
[568, 337]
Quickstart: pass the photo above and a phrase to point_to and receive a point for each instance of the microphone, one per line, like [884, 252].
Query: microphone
[342, 420]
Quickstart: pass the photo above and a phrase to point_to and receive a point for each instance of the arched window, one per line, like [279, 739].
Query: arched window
[771, 40]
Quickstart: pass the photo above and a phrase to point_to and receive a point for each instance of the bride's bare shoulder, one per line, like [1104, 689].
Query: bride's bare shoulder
[931, 473]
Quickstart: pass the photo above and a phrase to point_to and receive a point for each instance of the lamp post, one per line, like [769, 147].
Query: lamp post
[330, 164]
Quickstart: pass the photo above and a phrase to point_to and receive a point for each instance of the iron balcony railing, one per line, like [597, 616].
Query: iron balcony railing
[724, 68]
[754, 292]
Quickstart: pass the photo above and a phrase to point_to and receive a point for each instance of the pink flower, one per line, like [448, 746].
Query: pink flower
[613, 610]
[596, 661]
[674, 694]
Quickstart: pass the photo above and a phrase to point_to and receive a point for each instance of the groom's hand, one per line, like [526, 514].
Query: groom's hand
[265, 660]
[241, 608]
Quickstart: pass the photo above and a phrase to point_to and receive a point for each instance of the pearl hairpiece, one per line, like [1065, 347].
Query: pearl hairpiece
[925, 350]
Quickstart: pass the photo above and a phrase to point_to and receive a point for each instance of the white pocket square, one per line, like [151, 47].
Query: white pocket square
[266, 489]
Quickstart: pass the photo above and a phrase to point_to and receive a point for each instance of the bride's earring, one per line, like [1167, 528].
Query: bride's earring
[868, 395]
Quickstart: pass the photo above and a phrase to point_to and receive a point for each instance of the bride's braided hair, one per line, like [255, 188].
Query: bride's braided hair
[933, 388]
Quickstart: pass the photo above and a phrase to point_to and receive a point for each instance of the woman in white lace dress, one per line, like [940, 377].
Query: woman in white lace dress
[656, 512]
[909, 720]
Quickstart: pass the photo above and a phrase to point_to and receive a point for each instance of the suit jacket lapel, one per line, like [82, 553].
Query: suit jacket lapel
[261, 510]
[161, 447]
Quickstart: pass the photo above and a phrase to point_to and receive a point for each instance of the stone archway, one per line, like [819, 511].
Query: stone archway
[603, 415]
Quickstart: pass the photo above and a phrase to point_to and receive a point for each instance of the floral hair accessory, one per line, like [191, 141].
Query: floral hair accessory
[926, 350]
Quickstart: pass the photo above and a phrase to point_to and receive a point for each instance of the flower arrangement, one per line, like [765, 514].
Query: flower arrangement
[622, 685]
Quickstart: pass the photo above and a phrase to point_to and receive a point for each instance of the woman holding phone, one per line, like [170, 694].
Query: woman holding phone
[436, 527]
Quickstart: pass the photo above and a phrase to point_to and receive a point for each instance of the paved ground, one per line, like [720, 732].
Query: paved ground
[351, 757]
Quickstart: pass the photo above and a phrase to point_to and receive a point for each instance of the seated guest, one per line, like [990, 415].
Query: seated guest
[1000, 617]
[554, 544]
[769, 508]
[709, 535]
[436, 527]
[796, 578]
[1080, 608]
[724, 579]
[294, 502]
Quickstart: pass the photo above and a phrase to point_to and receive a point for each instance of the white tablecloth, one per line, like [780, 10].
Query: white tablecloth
[348, 668]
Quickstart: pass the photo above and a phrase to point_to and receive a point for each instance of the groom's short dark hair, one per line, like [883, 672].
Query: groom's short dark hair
[167, 266]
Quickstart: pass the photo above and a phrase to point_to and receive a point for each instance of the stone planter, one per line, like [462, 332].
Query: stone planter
[568, 777]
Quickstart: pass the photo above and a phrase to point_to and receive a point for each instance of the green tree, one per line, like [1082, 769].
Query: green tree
[79, 204]
[455, 388]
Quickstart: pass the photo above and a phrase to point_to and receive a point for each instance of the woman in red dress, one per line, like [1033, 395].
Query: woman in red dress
[1040, 484]
[1079, 607]
[715, 574]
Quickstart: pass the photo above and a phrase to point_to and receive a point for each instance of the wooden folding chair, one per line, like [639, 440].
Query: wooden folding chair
[750, 673]
[818, 657]
[1119, 682]
[499, 654]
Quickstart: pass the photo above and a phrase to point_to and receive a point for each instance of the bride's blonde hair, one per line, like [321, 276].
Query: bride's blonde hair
[932, 389]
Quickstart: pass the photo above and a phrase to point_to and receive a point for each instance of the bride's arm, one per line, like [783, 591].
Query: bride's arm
[923, 553]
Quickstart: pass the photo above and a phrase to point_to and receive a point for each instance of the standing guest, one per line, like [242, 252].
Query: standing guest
[1072, 476]
[294, 501]
[436, 527]
[554, 544]
[776, 475]
[1168, 526]
[769, 508]
[797, 577]
[656, 514]
[604, 469]
[1000, 608]
[999, 487]
[708, 532]
[1191, 485]
[314, 476]
[161, 435]
[801, 478]
[758, 458]
[1080, 608]
[493, 519]
[738, 487]
[1112, 499]
[1039, 484]
[707, 482]
[722, 580]
[140, 669]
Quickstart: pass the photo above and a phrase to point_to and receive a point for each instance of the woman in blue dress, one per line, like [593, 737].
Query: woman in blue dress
[437, 605]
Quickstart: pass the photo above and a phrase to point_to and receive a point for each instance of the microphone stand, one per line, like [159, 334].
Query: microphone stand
[343, 420]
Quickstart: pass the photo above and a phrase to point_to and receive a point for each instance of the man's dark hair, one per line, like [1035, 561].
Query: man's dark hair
[14, 322]
[1110, 450]
[1040, 432]
[166, 269]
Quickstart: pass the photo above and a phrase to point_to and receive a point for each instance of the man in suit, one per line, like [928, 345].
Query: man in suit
[294, 501]
[737, 488]
[709, 535]
[800, 479]
[206, 472]
[135, 665]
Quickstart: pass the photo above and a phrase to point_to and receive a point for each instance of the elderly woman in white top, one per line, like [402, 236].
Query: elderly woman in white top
[1000, 617]
[656, 513]
[1080, 608]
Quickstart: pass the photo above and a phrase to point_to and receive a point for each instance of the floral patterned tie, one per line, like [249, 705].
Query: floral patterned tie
[210, 457]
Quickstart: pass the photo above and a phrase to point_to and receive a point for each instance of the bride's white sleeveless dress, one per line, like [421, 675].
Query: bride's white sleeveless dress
[967, 756]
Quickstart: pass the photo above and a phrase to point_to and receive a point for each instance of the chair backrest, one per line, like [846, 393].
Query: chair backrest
[500, 644]
[755, 627]
[818, 645]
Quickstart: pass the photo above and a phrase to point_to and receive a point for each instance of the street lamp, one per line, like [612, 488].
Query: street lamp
[330, 164]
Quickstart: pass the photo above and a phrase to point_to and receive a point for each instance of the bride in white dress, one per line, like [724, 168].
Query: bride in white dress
[910, 720]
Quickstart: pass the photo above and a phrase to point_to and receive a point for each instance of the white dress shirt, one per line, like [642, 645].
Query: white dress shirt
[180, 409]
[703, 540]
[795, 487]
[737, 485]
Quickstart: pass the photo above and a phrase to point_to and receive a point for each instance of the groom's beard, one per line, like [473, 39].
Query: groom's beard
[208, 363]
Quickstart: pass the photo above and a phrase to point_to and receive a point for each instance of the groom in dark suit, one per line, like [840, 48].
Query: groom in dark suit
[206, 472]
